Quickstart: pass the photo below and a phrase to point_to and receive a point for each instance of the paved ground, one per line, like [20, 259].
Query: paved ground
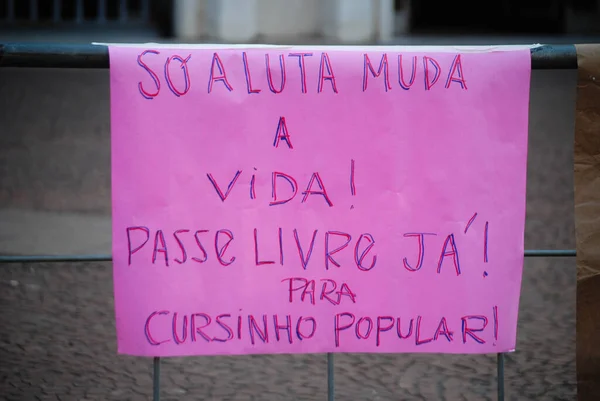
[57, 338]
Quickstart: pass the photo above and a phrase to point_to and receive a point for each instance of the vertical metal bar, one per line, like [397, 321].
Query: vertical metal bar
[145, 10]
[123, 11]
[102, 11]
[79, 11]
[330, 382]
[33, 10]
[57, 10]
[156, 380]
[500, 377]
[10, 10]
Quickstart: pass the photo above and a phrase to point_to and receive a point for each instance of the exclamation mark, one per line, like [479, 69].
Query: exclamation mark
[280, 246]
[252, 189]
[352, 187]
[495, 323]
[485, 243]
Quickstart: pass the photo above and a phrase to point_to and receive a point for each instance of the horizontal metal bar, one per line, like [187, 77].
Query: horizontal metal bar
[554, 57]
[108, 258]
[53, 258]
[40, 55]
[550, 253]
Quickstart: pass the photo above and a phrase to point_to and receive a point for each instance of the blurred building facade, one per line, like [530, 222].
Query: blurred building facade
[287, 20]
[351, 21]
[297, 21]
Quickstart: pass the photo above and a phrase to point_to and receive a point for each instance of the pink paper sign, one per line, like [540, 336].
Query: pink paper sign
[287, 200]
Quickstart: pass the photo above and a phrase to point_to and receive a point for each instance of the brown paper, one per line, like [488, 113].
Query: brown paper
[587, 221]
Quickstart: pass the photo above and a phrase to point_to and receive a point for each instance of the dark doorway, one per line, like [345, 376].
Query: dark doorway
[480, 16]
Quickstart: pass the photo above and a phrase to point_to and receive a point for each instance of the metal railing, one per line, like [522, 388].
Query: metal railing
[31, 12]
[547, 57]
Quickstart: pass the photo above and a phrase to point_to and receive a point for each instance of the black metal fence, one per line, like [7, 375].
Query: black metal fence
[60, 12]
[545, 57]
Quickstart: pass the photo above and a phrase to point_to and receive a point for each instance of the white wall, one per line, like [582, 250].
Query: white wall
[188, 16]
[288, 18]
[327, 18]
[349, 21]
[232, 21]
[355, 20]
[244, 21]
